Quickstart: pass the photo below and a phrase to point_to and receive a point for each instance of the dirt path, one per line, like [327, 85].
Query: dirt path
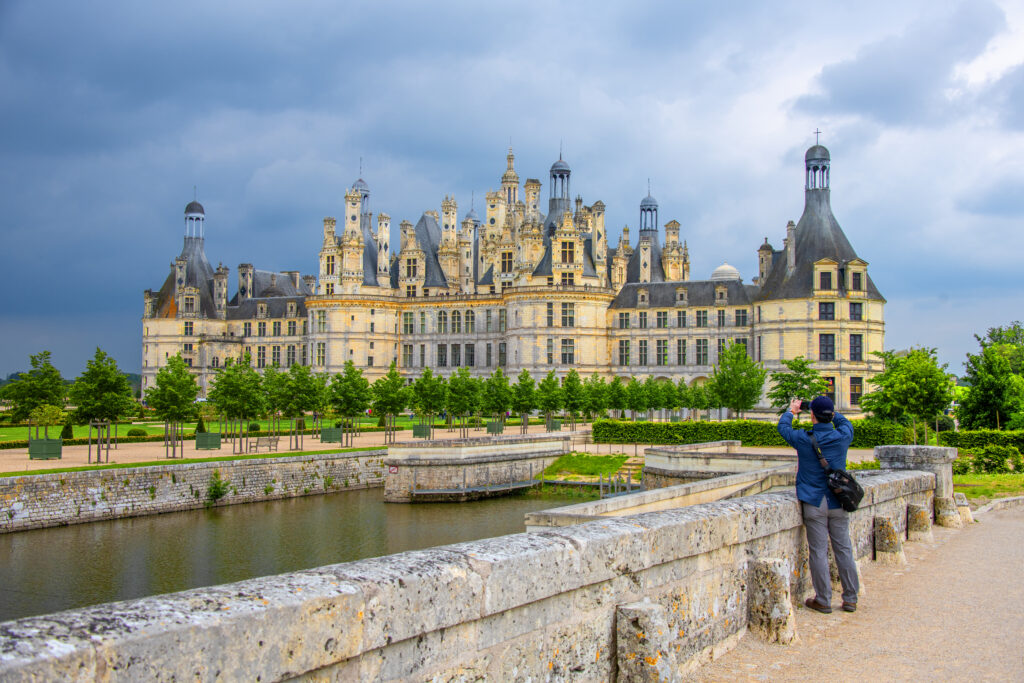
[953, 613]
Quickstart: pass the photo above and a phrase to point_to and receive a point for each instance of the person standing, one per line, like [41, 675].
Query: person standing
[824, 518]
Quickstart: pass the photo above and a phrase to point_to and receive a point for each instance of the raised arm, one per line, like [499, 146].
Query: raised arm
[785, 427]
[844, 427]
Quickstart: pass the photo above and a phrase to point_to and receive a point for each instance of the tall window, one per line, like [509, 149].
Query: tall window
[550, 315]
[408, 323]
[506, 261]
[826, 310]
[277, 328]
[568, 252]
[623, 321]
[856, 311]
[411, 268]
[289, 355]
[291, 328]
[456, 355]
[470, 355]
[662, 319]
[623, 352]
[702, 352]
[568, 352]
[680, 352]
[856, 347]
[423, 355]
[321, 321]
[456, 322]
[856, 390]
[568, 279]
[442, 355]
[261, 329]
[502, 354]
[423, 322]
[304, 353]
[568, 315]
[502, 319]
[329, 265]
[246, 329]
[721, 317]
[642, 320]
[702, 319]
[551, 351]
[741, 317]
[261, 356]
[442, 322]
[329, 288]
[826, 347]
[487, 354]
[856, 283]
[830, 388]
[487, 321]
[680, 318]
[825, 280]
[410, 291]
[406, 355]
[641, 352]
[470, 322]
[275, 355]
[188, 329]
[190, 304]
[721, 347]
[661, 351]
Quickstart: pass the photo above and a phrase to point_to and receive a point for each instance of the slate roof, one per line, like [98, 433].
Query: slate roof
[698, 293]
[633, 267]
[277, 307]
[428, 234]
[198, 274]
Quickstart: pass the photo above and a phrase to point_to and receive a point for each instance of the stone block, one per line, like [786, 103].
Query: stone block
[769, 603]
[888, 544]
[963, 507]
[935, 459]
[642, 644]
[946, 513]
[919, 523]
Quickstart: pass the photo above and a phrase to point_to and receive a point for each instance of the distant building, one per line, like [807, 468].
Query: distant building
[525, 289]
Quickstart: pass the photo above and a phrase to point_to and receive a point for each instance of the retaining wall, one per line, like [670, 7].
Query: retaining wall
[538, 606]
[42, 500]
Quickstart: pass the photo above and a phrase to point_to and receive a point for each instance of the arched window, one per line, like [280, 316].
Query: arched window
[456, 322]
[470, 322]
[442, 322]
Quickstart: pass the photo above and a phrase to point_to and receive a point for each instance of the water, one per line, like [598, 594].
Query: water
[48, 570]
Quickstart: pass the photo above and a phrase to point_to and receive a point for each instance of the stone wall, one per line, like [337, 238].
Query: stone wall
[42, 500]
[540, 606]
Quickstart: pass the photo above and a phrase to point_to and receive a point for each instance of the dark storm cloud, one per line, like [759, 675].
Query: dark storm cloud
[904, 79]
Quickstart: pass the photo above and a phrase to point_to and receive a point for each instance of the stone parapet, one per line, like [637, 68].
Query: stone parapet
[935, 459]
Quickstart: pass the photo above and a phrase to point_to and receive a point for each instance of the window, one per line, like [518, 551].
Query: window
[623, 321]
[680, 318]
[188, 362]
[275, 356]
[276, 325]
[289, 355]
[758, 314]
[550, 317]
[743, 343]
[369, 361]
[568, 279]
[305, 327]
[470, 322]
[487, 321]
[442, 355]
[329, 288]
[188, 329]
[321, 321]
[680, 352]
[568, 352]
[721, 347]
[856, 311]
[329, 265]
[568, 252]
[502, 355]
[372, 325]
[506, 261]
[190, 304]
[568, 315]
[442, 322]
[702, 318]
[551, 351]
[641, 352]
[825, 280]
[487, 351]
[423, 355]
[246, 329]
[291, 309]
[856, 282]
[741, 318]
[470, 355]
[662, 319]
[826, 310]
[215, 362]
[661, 352]
[261, 310]
[826, 347]
[456, 322]
[856, 347]
[759, 358]
[423, 322]
[261, 356]
[642, 320]
[830, 388]
[702, 352]
[456, 355]
[248, 352]
[261, 329]
[304, 354]
[721, 317]
[856, 390]
[410, 291]
[411, 268]
[187, 348]
[408, 324]
[502, 318]
[291, 328]
[406, 355]
[623, 352]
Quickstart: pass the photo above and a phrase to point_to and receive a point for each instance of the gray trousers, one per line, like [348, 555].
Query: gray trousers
[823, 524]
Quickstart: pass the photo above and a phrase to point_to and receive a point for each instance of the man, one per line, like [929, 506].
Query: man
[823, 516]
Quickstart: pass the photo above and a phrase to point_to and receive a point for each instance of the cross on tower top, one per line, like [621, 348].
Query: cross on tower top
[816, 134]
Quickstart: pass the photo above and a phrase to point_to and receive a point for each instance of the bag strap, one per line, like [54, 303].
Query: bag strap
[817, 450]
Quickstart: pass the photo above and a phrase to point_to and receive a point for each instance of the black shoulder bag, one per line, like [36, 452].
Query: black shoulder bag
[842, 484]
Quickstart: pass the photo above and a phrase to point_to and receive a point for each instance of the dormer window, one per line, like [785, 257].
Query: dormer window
[856, 281]
[291, 309]
[261, 310]
[824, 280]
[641, 297]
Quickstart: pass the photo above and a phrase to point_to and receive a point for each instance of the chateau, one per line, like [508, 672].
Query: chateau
[527, 289]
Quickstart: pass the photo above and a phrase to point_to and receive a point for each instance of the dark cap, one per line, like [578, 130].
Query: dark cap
[823, 408]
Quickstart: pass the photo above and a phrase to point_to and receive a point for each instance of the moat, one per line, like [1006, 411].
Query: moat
[49, 570]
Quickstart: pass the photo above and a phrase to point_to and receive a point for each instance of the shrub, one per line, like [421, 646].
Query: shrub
[68, 432]
[380, 420]
[866, 433]
[994, 459]
[136, 431]
[964, 464]
[217, 488]
[976, 439]
[200, 426]
[254, 427]
[945, 423]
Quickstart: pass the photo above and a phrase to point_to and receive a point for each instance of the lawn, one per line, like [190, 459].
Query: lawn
[584, 464]
[989, 485]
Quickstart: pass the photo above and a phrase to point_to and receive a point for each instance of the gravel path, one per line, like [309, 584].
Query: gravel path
[953, 613]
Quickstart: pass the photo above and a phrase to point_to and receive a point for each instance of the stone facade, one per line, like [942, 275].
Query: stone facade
[42, 500]
[521, 289]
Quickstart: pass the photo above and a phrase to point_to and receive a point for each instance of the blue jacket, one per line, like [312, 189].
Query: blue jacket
[833, 439]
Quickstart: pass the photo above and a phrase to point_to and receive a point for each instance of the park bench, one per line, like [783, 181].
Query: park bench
[266, 442]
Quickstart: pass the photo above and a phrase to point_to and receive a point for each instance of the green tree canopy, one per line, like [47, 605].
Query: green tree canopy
[390, 395]
[737, 380]
[549, 395]
[102, 391]
[303, 391]
[45, 416]
[350, 391]
[497, 394]
[636, 396]
[237, 391]
[798, 380]
[275, 390]
[996, 392]
[173, 396]
[42, 385]
[463, 395]
[616, 397]
[573, 395]
[1011, 341]
[524, 397]
[595, 395]
[429, 394]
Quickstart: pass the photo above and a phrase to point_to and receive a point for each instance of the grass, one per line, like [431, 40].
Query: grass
[178, 461]
[989, 485]
[866, 465]
[555, 491]
[586, 465]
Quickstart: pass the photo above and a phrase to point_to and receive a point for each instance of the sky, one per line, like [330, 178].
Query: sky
[116, 113]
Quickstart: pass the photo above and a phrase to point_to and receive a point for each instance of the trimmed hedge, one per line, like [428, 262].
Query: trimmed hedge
[976, 439]
[866, 433]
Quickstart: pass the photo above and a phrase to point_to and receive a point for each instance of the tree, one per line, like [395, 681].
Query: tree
[40, 386]
[636, 396]
[390, 396]
[45, 416]
[463, 397]
[237, 394]
[1011, 341]
[653, 393]
[549, 396]
[524, 398]
[303, 396]
[573, 396]
[276, 395]
[595, 395]
[799, 380]
[737, 380]
[429, 395]
[173, 397]
[102, 391]
[350, 396]
[669, 395]
[497, 395]
[911, 385]
[995, 392]
[616, 398]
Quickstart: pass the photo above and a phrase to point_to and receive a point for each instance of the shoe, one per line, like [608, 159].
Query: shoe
[812, 603]
[849, 606]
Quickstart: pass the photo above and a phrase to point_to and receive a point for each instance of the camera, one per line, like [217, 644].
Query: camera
[805, 405]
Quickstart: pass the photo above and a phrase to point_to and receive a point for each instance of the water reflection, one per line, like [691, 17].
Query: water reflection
[49, 570]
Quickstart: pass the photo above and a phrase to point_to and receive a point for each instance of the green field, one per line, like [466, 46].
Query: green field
[585, 465]
[989, 485]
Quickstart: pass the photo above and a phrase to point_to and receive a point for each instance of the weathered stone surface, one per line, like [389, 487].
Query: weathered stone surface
[769, 603]
[946, 513]
[642, 644]
[935, 459]
[919, 523]
[963, 507]
[888, 543]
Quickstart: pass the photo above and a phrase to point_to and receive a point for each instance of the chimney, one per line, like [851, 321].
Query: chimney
[790, 246]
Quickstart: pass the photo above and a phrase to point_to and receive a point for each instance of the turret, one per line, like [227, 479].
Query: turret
[220, 290]
[510, 181]
[532, 190]
[245, 281]
[383, 255]
[764, 261]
